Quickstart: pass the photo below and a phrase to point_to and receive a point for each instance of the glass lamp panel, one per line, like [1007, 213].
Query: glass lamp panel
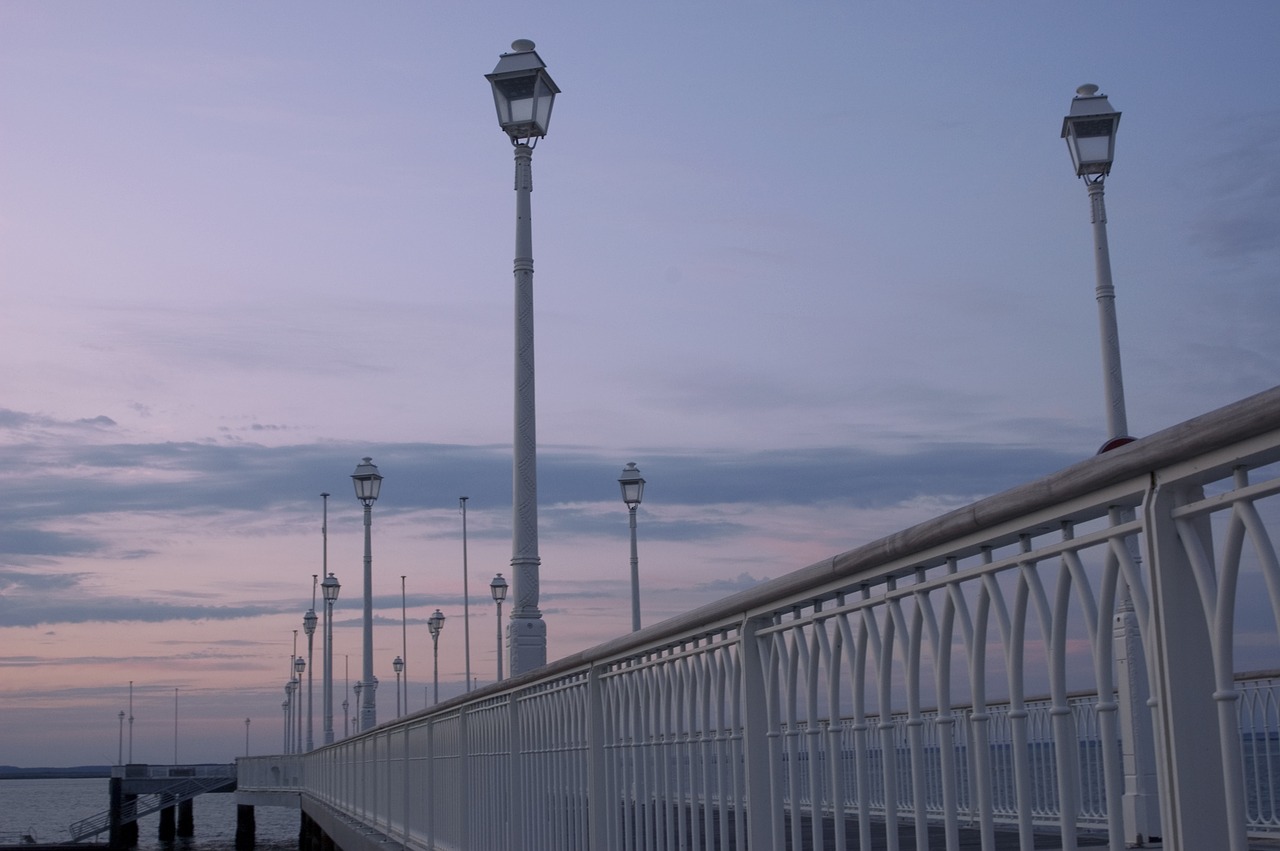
[330, 587]
[543, 99]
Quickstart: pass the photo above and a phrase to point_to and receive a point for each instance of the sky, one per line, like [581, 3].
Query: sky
[821, 269]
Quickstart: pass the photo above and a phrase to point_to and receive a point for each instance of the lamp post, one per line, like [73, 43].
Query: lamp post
[1090, 131]
[120, 747]
[246, 737]
[398, 665]
[309, 627]
[524, 93]
[435, 624]
[498, 588]
[368, 483]
[329, 589]
[299, 665]
[288, 716]
[632, 490]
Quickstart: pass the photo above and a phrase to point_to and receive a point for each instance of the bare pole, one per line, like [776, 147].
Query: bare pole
[466, 598]
[404, 649]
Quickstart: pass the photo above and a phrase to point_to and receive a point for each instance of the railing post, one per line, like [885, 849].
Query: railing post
[432, 793]
[755, 736]
[1193, 801]
[515, 777]
[464, 781]
[1141, 806]
[598, 809]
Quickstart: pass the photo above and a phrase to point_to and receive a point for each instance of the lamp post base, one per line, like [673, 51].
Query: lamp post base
[526, 644]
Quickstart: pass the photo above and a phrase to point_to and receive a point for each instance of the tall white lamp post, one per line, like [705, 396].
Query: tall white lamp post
[498, 588]
[367, 483]
[309, 627]
[329, 589]
[632, 490]
[404, 650]
[524, 93]
[1090, 131]
[435, 624]
[466, 599]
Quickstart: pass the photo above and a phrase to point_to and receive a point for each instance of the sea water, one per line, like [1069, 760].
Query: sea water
[45, 809]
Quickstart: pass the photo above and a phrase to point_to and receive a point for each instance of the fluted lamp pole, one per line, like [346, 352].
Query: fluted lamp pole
[498, 588]
[367, 483]
[632, 490]
[435, 624]
[329, 589]
[524, 93]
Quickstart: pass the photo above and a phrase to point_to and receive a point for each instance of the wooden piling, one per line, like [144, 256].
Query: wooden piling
[246, 827]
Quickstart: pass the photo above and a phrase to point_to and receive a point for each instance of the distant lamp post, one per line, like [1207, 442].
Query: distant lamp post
[498, 588]
[368, 483]
[288, 715]
[1090, 131]
[632, 491]
[246, 737]
[524, 93]
[299, 665]
[435, 624]
[120, 747]
[329, 589]
[309, 627]
[397, 664]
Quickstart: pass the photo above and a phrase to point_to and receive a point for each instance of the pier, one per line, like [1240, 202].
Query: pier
[138, 790]
[1056, 663]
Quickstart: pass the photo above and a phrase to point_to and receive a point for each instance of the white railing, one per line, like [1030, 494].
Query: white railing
[886, 691]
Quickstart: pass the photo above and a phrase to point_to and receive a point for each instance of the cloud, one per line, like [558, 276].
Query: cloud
[1243, 216]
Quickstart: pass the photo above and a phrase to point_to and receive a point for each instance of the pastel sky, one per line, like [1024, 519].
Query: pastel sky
[821, 269]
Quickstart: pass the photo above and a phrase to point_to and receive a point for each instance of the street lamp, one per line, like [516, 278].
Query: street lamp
[288, 715]
[498, 588]
[1090, 131]
[309, 627]
[368, 483]
[120, 747]
[329, 589]
[632, 490]
[398, 665]
[435, 624]
[299, 665]
[524, 93]
[246, 737]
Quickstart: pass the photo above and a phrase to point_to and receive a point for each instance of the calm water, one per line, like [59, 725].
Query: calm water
[46, 807]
